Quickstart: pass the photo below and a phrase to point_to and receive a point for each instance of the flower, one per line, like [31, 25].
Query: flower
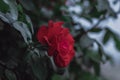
[59, 41]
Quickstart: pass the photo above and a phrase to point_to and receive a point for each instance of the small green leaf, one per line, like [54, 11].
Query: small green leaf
[96, 30]
[10, 75]
[117, 42]
[106, 37]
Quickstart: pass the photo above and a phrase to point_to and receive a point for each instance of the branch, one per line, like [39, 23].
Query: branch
[99, 21]
[85, 32]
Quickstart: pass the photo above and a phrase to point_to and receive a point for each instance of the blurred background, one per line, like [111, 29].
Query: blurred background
[94, 24]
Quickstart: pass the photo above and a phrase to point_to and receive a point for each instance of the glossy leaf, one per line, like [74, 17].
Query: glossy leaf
[22, 28]
[13, 9]
[86, 41]
[29, 24]
[3, 17]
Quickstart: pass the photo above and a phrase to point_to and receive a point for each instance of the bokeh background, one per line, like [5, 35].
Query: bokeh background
[94, 24]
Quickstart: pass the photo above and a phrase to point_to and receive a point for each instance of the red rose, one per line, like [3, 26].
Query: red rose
[59, 41]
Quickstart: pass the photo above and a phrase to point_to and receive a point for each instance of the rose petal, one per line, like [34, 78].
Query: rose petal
[61, 61]
[42, 32]
[58, 24]
[50, 23]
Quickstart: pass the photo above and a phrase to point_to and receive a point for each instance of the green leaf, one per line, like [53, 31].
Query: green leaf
[39, 53]
[4, 18]
[106, 37]
[10, 75]
[85, 41]
[18, 25]
[22, 15]
[96, 13]
[39, 67]
[88, 18]
[3, 7]
[23, 29]
[20, 9]
[117, 42]
[25, 18]
[94, 56]
[103, 55]
[115, 36]
[27, 4]
[7, 17]
[29, 23]
[96, 30]
[13, 8]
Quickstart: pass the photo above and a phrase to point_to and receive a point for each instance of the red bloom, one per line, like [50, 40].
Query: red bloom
[59, 41]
